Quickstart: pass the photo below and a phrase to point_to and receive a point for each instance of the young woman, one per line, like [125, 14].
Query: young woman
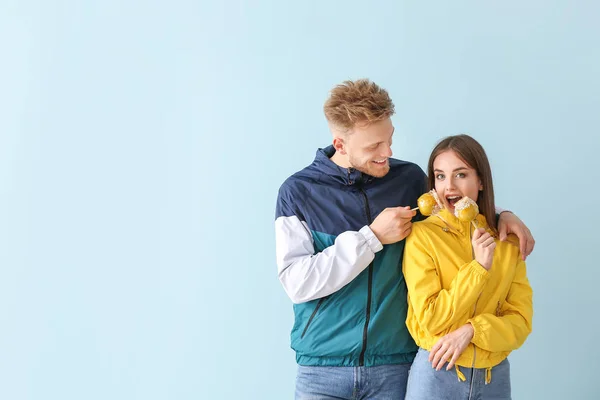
[470, 303]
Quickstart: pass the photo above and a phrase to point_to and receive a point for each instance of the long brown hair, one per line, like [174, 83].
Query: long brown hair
[473, 154]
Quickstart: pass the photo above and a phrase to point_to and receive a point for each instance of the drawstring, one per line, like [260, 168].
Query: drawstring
[461, 376]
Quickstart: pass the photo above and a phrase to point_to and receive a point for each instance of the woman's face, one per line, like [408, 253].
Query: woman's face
[454, 179]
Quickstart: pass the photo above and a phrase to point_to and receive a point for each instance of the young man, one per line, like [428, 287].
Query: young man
[340, 229]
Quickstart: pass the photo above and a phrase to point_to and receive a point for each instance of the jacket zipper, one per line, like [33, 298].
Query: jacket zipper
[312, 316]
[361, 359]
[474, 311]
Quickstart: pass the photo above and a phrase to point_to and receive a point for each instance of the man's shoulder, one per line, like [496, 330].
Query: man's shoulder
[402, 167]
[301, 181]
[407, 175]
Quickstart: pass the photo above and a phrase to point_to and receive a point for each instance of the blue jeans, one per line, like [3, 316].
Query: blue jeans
[382, 382]
[425, 383]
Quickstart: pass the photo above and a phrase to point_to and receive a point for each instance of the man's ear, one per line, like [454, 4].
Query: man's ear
[339, 145]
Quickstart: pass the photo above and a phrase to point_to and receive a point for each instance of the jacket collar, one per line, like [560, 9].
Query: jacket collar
[348, 176]
[446, 219]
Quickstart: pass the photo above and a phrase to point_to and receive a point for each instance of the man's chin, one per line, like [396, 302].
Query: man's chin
[377, 172]
[380, 174]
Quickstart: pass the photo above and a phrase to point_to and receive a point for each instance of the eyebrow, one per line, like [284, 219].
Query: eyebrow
[455, 170]
[374, 143]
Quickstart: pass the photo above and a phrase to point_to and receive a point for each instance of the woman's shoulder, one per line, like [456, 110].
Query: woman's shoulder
[428, 227]
[510, 246]
[431, 222]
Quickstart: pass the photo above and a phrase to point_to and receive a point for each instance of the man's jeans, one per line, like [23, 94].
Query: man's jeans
[384, 382]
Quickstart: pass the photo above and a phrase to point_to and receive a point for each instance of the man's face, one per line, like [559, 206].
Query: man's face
[368, 147]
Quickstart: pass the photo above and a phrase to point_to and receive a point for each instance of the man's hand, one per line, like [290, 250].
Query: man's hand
[450, 347]
[510, 223]
[393, 224]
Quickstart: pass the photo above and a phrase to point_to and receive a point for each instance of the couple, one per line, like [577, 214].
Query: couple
[376, 296]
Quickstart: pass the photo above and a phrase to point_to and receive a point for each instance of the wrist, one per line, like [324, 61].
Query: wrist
[376, 233]
[484, 264]
[470, 330]
[372, 239]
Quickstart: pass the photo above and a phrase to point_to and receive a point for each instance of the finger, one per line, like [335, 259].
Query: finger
[404, 223]
[438, 355]
[444, 359]
[404, 230]
[526, 243]
[483, 238]
[481, 241]
[406, 234]
[529, 248]
[488, 242]
[436, 358]
[483, 234]
[453, 360]
[405, 212]
[434, 350]
[404, 219]
[476, 235]
[490, 249]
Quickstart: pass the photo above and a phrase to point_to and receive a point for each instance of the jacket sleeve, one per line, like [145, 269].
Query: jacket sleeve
[508, 330]
[422, 188]
[307, 275]
[435, 308]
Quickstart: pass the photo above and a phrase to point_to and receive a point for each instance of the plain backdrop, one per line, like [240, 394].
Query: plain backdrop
[142, 144]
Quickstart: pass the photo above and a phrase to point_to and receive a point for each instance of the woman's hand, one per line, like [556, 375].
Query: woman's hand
[450, 347]
[483, 247]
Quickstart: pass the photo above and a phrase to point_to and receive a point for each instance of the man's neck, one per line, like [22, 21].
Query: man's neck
[340, 160]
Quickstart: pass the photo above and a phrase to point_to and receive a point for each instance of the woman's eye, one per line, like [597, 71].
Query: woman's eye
[439, 176]
[460, 175]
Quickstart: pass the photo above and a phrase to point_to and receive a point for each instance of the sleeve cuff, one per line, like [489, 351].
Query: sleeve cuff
[501, 210]
[476, 331]
[374, 243]
[479, 270]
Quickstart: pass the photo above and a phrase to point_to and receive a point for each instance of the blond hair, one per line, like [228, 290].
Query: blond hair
[360, 101]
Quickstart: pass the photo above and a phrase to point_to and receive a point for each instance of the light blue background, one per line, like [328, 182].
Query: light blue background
[142, 144]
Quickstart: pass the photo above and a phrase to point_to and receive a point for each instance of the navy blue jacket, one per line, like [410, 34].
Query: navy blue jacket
[349, 291]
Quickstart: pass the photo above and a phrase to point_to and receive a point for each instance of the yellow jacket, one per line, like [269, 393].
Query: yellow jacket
[447, 288]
